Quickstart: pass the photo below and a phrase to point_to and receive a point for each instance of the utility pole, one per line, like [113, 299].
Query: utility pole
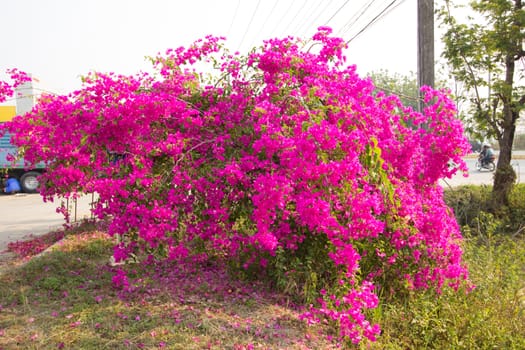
[425, 45]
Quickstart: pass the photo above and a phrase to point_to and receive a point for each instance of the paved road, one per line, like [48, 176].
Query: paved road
[483, 177]
[24, 214]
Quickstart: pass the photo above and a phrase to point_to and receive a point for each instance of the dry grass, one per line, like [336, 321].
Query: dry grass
[64, 299]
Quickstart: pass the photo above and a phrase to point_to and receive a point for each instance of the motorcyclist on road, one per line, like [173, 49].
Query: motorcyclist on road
[486, 155]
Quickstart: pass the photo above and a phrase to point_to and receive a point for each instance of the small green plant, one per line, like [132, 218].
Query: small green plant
[51, 283]
[468, 201]
[490, 314]
[305, 271]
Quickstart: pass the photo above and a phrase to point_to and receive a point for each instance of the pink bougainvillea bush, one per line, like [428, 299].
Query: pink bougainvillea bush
[18, 78]
[283, 162]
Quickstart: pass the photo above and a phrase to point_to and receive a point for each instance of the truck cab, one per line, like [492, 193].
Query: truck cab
[28, 177]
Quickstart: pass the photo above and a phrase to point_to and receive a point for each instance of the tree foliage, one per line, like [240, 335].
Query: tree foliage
[403, 86]
[284, 163]
[484, 53]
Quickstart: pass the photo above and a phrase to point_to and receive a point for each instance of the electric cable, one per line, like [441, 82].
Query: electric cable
[384, 89]
[338, 10]
[308, 13]
[376, 18]
[249, 24]
[296, 14]
[321, 12]
[32, 96]
[282, 17]
[268, 17]
[355, 18]
[234, 17]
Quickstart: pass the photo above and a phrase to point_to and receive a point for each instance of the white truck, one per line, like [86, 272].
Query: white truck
[28, 177]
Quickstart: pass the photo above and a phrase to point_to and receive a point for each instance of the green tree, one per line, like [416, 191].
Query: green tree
[404, 86]
[483, 53]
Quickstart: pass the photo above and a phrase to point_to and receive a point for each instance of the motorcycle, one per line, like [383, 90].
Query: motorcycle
[489, 165]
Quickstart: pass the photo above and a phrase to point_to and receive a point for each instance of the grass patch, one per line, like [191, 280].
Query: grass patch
[491, 316]
[65, 299]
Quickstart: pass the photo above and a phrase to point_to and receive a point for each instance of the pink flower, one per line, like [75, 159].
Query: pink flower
[289, 152]
[120, 280]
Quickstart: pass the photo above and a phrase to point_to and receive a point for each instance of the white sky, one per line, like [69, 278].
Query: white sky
[59, 40]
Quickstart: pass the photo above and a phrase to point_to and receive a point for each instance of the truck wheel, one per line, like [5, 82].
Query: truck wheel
[29, 182]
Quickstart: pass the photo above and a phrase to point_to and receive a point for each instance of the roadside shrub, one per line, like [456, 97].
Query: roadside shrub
[467, 202]
[489, 316]
[516, 216]
[283, 160]
[470, 202]
[491, 312]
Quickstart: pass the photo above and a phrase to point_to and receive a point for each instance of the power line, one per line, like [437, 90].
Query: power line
[250, 23]
[234, 17]
[338, 10]
[309, 13]
[14, 98]
[353, 20]
[376, 18]
[269, 15]
[284, 15]
[322, 11]
[399, 94]
[296, 14]
[319, 13]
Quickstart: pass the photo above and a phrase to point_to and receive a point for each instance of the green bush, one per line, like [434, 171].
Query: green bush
[490, 315]
[515, 224]
[468, 201]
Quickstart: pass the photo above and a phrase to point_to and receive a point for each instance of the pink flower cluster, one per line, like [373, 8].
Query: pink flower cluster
[8, 90]
[281, 144]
